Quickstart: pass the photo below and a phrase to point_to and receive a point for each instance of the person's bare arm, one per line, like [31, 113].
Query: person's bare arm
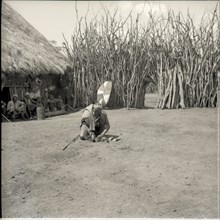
[107, 127]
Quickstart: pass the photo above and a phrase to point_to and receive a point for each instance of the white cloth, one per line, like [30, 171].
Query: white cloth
[89, 117]
[18, 105]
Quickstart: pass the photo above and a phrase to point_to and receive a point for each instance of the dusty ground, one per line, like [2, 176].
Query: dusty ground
[165, 165]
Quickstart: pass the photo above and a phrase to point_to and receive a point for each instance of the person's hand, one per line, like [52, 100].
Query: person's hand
[98, 138]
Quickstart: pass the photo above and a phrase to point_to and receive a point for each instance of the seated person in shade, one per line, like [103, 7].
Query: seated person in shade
[31, 105]
[16, 108]
[59, 103]
[94, 123]
[52, 103]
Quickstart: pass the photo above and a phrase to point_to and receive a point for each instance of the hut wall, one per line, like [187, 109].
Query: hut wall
[18, 84]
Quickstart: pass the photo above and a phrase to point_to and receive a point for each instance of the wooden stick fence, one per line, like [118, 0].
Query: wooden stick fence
[170, 53]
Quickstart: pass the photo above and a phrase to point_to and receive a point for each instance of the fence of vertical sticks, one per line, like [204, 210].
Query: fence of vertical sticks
[170, 53]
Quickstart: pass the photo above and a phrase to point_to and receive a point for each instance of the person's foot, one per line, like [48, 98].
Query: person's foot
[93, 137]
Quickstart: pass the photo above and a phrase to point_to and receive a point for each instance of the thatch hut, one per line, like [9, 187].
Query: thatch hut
[27, 54]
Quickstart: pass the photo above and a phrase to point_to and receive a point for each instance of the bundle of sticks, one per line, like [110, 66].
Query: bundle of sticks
[169, 53]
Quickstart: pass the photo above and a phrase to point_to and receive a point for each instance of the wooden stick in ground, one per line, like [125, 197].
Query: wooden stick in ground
[74, 139]
[6, 118]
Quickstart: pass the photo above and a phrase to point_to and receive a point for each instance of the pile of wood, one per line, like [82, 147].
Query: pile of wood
[189, 63]
[168, 52]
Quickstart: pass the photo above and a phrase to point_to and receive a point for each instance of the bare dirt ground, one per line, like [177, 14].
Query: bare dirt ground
[165, 165]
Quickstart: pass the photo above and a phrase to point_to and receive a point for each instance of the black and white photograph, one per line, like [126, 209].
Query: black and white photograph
[110, 109]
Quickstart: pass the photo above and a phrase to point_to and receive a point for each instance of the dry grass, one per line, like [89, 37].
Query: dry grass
[25, 50]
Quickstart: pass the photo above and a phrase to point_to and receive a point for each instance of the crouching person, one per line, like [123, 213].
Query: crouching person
[94, 123]
[16, 108]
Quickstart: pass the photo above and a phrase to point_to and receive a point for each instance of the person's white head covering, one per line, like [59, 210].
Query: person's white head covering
[14, 95]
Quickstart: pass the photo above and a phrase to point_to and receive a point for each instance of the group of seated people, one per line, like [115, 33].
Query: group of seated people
[25, 108]
[53, 104]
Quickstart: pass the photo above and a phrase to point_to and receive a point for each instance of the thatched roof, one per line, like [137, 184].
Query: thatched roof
[24, 49]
